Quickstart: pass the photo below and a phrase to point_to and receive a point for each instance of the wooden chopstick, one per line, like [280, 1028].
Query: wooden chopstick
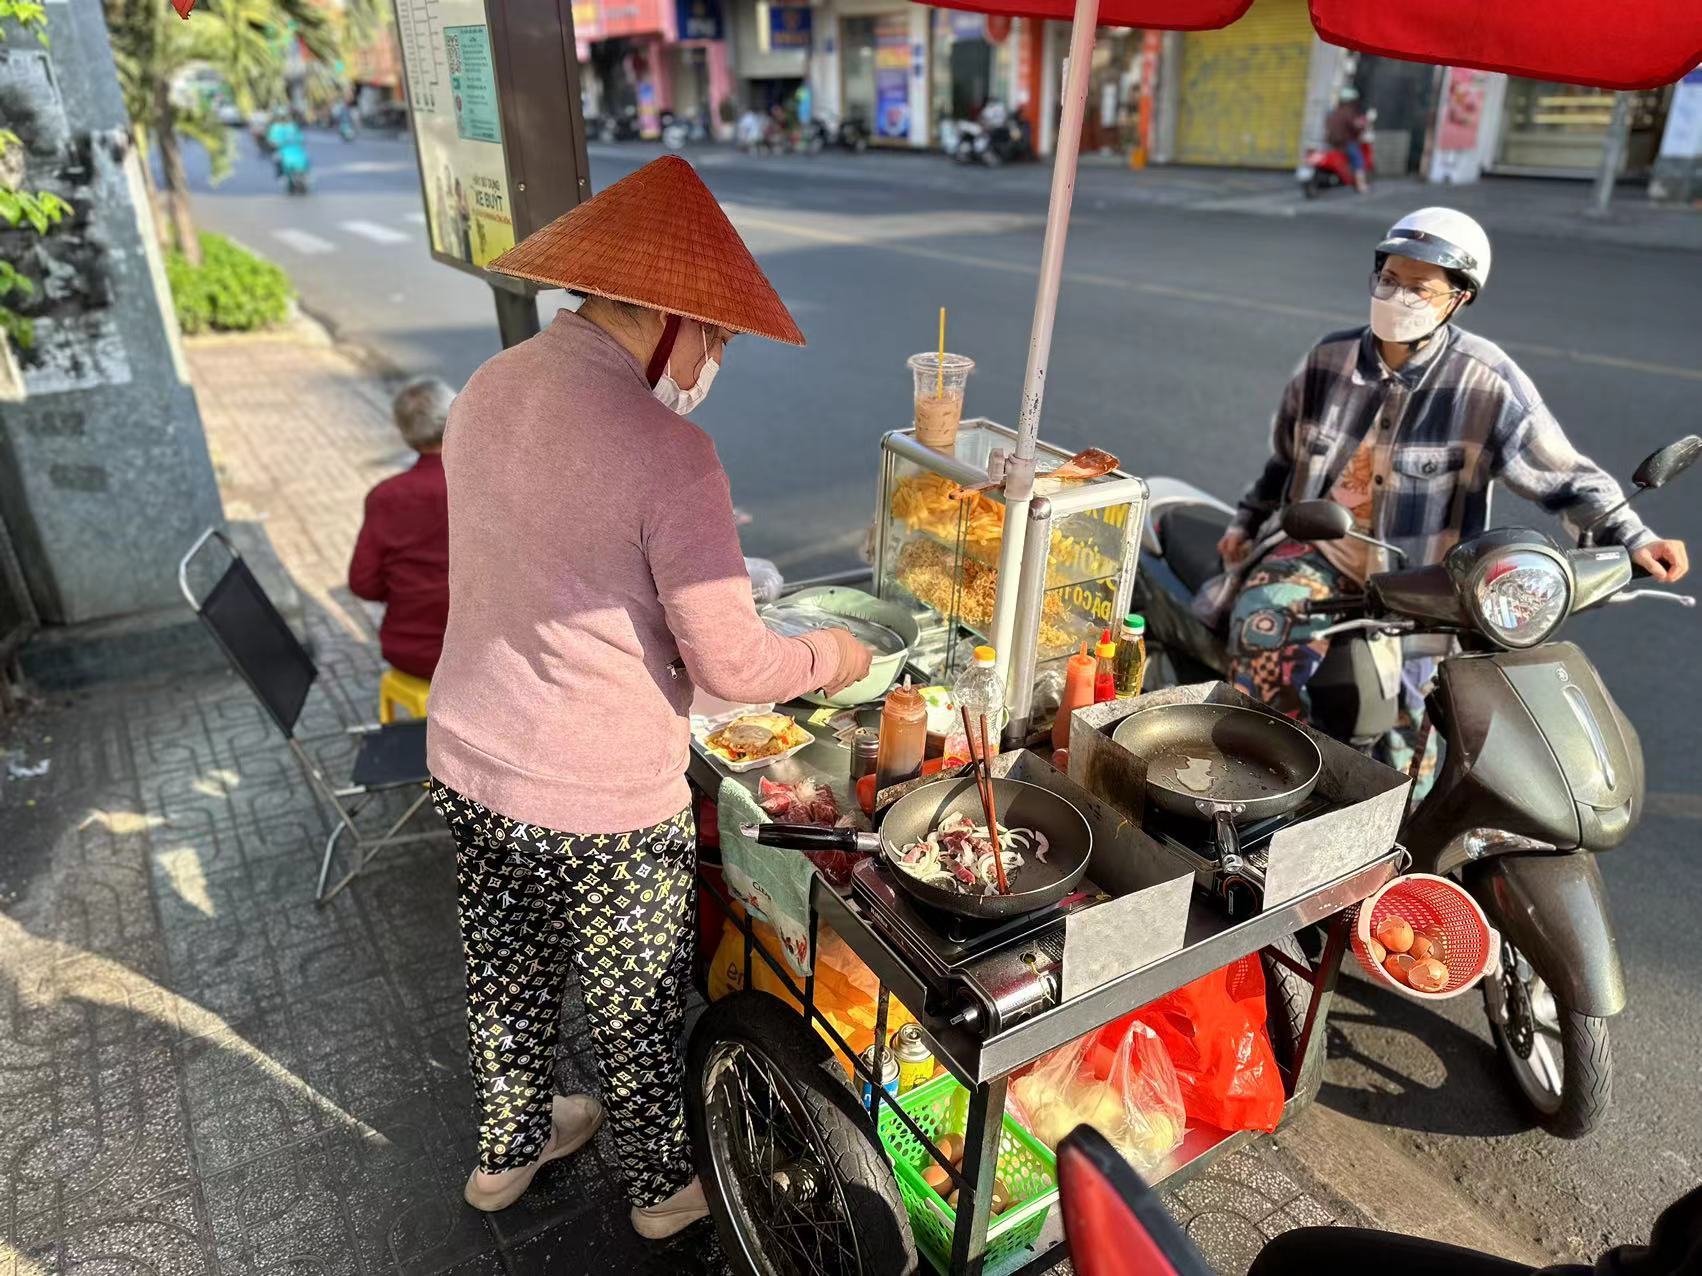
[988, 803]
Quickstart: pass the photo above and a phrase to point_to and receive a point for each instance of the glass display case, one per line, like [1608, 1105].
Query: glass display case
[937, 549]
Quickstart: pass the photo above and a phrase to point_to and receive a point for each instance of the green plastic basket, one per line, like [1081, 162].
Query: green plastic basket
[939, 1107]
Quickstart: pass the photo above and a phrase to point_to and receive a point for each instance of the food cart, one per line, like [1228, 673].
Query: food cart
[991, 1000]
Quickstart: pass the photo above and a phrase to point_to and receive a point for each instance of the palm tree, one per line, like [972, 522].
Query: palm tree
[244, 41]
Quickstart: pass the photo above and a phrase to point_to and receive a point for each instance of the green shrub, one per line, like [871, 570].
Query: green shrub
[232, 290]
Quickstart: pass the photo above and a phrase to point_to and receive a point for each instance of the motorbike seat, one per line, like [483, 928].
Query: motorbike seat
[1188, 536]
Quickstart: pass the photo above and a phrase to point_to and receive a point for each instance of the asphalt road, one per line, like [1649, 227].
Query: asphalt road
[1186, 305]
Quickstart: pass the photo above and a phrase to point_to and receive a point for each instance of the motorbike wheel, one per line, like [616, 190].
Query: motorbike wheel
[1287, 996]
[859, 143]
[796, 1180]
[965, 153]
[1561, 1061]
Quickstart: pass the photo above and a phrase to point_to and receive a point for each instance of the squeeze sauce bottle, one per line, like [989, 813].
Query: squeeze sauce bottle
[1105, 671]
[1078, 691]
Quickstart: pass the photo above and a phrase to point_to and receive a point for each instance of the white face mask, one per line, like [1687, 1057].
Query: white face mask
[1393, 320]
[683, 401]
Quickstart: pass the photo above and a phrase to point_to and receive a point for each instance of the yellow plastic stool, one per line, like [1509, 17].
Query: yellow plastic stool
[398, 688]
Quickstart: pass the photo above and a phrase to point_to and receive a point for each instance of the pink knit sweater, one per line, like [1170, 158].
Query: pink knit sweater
[591, 549]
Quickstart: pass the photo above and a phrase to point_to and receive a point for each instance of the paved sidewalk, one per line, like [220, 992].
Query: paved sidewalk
[201, 1072]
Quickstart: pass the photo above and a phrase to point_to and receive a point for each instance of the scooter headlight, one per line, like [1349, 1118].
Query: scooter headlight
[1521, 597]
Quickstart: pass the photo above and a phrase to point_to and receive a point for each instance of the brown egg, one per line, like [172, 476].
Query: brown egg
[951, 1147]
[1438, 942]
[1001, 1196]
[1422, 946]
[1394, 934]
[951, 1201]
[937, 1177]
[1398, 965]
[1428, 975]
[1379, 954]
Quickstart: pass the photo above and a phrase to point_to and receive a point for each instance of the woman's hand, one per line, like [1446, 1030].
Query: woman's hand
[851, 663]
[1234, 546]
[1663, 560]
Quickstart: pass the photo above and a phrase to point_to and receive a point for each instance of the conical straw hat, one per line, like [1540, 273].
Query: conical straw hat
[656, 238]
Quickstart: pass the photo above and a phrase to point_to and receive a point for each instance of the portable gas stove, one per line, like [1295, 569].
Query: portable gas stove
[984, 976]
[1239, 886]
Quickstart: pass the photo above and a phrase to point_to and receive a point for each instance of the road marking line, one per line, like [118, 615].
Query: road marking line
[418, 218]
[1331, 318]
[303, 242]
[376, 233]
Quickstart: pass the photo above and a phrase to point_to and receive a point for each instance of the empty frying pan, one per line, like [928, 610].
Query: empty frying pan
[1222, 763]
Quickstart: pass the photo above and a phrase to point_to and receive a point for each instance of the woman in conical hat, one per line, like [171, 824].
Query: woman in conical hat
[595, 579]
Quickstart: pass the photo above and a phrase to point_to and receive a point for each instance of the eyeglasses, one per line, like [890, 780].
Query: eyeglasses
[1384, 287]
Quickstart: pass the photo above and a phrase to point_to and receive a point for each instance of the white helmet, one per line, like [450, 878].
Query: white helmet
[1444, 237]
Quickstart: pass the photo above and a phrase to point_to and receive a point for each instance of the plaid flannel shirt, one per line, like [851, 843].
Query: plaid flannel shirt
[1458, 417]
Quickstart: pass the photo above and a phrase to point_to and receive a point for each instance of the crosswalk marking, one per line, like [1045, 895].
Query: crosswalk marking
[417, 217]
[303, 242]
[373, 231]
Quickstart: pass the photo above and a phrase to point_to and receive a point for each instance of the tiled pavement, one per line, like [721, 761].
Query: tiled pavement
[202, 1072]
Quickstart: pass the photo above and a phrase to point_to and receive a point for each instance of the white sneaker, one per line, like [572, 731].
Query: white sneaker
[672, 1216]
[574, 1118]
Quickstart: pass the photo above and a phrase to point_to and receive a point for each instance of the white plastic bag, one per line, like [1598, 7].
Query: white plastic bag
[766, 581]
[1128, 1093]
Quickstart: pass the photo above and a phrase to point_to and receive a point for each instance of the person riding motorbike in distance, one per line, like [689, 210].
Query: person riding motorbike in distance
[1407, 422]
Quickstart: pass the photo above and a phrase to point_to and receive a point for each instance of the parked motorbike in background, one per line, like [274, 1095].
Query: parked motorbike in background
[621, 126]
[678, 131]
[1327, 167]
[997, 136]
[1540, 769]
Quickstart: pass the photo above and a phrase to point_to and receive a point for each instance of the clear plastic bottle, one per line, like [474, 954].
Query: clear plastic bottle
[1131, 656]
[981, 690]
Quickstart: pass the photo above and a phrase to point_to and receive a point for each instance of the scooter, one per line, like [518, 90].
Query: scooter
[1327, 167]
[1540, 770]
[293, 166]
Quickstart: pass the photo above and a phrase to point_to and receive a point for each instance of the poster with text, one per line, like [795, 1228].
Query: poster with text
[452, 97]
[1462, 110]
[892, 75]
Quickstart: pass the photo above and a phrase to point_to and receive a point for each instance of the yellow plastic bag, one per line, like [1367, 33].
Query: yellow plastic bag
[845, 988]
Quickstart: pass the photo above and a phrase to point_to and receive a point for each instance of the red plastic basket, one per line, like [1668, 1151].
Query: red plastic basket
[1435, 904]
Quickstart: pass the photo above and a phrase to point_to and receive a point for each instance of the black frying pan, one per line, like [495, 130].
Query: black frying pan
[919, 812]
[1222, 763]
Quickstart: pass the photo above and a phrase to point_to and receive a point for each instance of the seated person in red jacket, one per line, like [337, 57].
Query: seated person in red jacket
[402, 554]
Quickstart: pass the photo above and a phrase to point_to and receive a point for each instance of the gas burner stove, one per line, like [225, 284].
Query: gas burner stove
[1238, 888]
[983, 976]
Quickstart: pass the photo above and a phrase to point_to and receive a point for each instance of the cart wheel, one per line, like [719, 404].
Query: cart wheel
[796, 1180]
[1286, 997]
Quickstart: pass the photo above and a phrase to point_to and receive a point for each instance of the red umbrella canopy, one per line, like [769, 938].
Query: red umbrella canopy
[1608, 44]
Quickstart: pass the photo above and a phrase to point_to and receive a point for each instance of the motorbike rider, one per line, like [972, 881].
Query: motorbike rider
[1407, 422]
[1343, 128]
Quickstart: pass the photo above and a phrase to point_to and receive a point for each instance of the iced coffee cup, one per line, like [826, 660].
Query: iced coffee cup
[939, 396]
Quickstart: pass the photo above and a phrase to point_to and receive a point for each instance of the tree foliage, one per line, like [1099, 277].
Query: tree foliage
[39, 210]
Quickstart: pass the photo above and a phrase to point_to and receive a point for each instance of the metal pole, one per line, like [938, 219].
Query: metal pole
[1613, 153]
[516, 315]
[1019, 472]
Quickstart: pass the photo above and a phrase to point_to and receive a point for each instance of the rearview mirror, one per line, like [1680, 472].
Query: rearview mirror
[1317, 521]
[1664, 466]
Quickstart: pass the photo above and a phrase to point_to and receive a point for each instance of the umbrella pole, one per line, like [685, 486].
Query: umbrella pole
[1019, 471]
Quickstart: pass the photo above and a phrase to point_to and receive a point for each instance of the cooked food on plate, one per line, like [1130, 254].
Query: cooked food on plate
[756, 735]
[960, 853]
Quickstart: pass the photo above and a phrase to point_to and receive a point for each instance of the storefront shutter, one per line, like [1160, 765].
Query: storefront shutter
[1243, 89]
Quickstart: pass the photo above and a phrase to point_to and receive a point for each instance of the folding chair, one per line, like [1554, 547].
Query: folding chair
[262, 648]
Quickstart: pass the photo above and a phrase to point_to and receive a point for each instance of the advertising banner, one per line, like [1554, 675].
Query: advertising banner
[789, 26]
[452, 98]
[1462, 110]
[892, 75]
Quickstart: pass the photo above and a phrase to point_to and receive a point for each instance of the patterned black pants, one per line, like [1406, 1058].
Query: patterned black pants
[621, 907]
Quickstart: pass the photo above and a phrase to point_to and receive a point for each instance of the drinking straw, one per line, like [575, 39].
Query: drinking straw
[940, 368]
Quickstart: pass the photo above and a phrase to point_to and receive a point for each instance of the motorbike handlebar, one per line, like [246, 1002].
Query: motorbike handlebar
[1353, 605]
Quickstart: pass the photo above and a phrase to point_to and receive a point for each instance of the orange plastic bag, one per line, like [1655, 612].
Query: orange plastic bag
[1214, 1031]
